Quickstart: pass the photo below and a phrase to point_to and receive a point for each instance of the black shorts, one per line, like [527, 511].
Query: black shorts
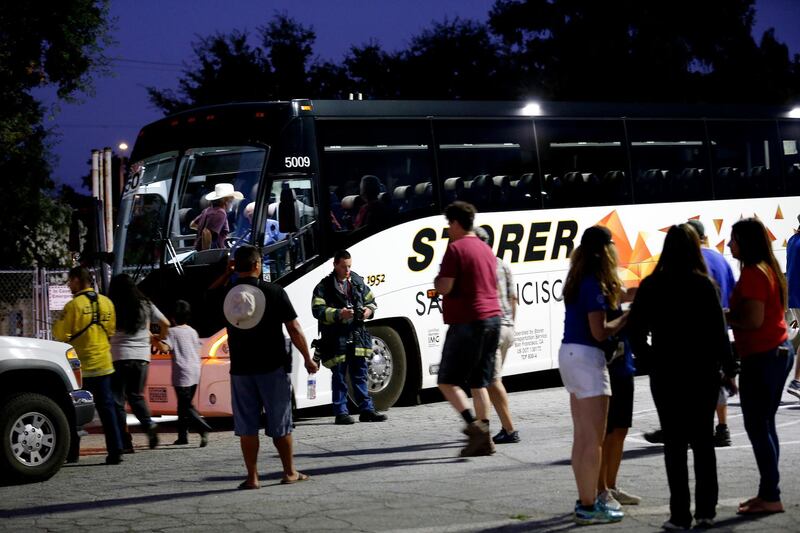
[468, 353]
[620, 406]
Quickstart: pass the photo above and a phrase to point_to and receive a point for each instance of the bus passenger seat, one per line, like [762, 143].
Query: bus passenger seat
[727, 182]
[793, 179]
[526, 193]
[423, 194]
[688, 185]
[402, 197]
[500, 191]
[403, 192]
[612, 188]
[758, 180]
[650, 186]
[553, 190]
[479, 190]
[453, 189]
[574, 188]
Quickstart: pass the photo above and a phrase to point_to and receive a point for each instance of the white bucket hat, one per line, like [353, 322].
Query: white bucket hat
[222, 190]
[244, 306]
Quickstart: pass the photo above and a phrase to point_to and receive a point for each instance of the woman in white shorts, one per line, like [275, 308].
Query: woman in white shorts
[591, 288]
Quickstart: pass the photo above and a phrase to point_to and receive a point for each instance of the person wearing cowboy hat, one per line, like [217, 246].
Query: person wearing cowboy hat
[212, 224]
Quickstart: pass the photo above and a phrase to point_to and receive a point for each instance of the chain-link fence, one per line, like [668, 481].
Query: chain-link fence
[31, 300]
[18, 305]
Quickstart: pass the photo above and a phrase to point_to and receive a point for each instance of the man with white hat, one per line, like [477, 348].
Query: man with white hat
[255, 313]
[212, 224]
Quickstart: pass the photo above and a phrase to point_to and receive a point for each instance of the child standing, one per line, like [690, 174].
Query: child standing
[186, 373]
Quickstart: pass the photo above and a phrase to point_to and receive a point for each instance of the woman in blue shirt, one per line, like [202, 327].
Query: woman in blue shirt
[592, 287]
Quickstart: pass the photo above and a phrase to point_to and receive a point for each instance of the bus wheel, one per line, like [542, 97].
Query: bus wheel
[386, 374]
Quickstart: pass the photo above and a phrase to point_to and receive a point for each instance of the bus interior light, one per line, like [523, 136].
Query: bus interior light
[306, 108]
[795, 112]
[532, 109]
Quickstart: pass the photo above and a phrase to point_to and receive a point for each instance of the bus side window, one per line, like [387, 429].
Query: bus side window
[480, 159]
[750, 147]
[394, 157]
[790, 156]
[669, 161]
[575, 157]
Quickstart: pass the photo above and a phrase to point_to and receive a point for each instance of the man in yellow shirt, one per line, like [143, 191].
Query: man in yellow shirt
[87, 323]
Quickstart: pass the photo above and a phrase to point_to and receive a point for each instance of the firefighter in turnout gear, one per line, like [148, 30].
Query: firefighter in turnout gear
[341, 304]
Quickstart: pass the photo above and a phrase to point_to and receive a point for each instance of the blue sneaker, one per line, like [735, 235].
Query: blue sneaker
[598, 514]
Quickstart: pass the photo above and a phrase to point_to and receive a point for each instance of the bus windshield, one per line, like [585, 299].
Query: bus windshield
[143, 213]
[204, 173]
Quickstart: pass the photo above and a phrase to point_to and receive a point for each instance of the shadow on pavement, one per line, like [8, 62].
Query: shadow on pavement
[115, 502]
[338, 469]
[627, 454]
[557, 523]
[398, 449]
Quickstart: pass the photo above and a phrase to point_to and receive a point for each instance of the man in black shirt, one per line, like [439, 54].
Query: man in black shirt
[255, 313]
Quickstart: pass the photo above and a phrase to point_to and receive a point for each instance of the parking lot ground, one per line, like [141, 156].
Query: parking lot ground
[404, 476]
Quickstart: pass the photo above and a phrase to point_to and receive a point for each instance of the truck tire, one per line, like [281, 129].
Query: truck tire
[387, 368]
[35, 437]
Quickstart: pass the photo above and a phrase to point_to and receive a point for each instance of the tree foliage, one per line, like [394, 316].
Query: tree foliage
[575, 50]
[42, 44]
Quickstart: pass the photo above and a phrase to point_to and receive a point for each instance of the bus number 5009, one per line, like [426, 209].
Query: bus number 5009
[297, 161]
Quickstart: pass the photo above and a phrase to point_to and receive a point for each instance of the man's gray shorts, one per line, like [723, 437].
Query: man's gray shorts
[273, 393]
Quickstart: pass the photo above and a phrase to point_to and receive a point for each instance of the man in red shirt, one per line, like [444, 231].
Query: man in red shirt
[468, 281]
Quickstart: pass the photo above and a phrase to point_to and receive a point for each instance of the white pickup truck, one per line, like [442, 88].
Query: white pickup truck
[42, 408]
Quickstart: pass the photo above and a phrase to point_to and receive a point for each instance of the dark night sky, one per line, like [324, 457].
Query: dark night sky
[153, 40]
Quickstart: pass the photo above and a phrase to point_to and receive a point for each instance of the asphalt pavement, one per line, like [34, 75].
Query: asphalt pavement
[402, 476]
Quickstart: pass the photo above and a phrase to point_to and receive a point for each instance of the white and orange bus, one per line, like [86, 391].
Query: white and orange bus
[539, 175]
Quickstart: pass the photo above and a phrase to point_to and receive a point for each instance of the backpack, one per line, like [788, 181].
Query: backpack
[204, 235]
[95, 316]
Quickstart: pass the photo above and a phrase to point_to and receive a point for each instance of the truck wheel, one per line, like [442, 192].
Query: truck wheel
[35, 437]
[387, 368]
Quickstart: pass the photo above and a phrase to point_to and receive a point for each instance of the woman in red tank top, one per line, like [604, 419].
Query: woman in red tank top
[756, 315]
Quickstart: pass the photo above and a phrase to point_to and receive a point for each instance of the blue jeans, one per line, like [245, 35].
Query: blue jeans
[357, 366]
[100, 387]
[761, 386]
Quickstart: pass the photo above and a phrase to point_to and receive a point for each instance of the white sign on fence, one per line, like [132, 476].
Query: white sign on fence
[58, 296]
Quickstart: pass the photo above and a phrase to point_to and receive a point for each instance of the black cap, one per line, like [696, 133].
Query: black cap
[697, 226]
[594, 239]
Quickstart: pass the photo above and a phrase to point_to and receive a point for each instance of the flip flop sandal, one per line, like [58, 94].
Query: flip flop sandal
[300, 477]
[244, 485]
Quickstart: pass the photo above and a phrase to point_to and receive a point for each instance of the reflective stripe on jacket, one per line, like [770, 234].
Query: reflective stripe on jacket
[335, 334]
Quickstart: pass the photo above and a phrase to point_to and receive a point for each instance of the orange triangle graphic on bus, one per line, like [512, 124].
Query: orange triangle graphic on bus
[614, 225]
[721, 246]
[772, 236]
[665, 230]
[779, 214]
[695, 217]
[718, 224]
[640, 251]
[785, 242]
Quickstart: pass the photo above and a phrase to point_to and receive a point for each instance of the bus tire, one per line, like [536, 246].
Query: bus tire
[386, 369]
